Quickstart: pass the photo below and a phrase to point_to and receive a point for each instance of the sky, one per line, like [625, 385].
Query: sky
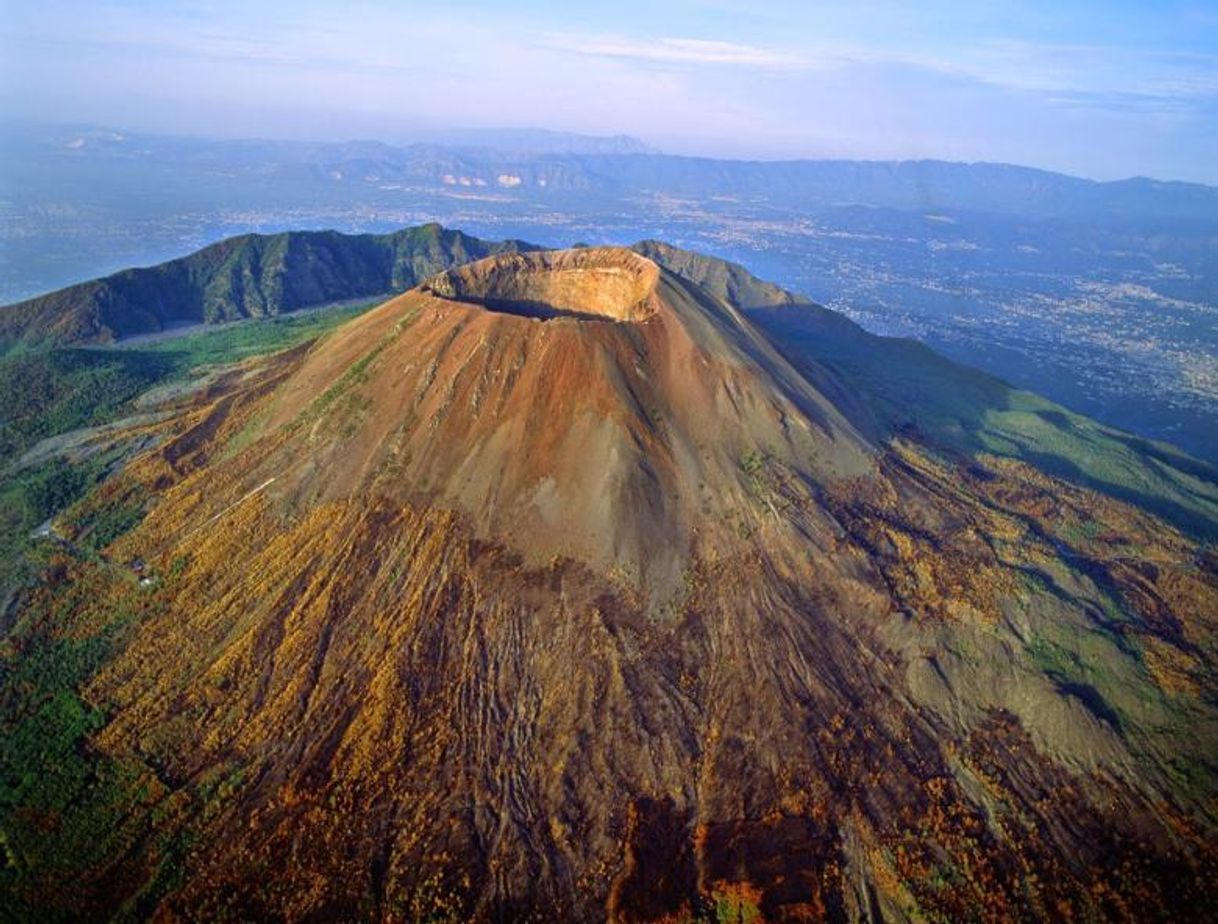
[1099, 89]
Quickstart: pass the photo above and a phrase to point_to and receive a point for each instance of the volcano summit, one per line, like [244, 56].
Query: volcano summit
[614, 584]
[583, 404]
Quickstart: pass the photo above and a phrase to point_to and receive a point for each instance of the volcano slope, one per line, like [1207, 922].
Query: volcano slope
[554, 589]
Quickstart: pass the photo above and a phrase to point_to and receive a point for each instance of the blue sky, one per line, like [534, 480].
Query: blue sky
[1102, 89]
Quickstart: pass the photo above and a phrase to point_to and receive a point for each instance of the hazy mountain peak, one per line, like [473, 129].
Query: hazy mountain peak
[540, 141]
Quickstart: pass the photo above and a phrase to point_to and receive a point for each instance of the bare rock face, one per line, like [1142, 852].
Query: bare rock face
[609, 283]
[553, 588]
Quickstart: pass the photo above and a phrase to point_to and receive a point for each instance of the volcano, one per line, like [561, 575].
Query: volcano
[562, 587]
[580, 404]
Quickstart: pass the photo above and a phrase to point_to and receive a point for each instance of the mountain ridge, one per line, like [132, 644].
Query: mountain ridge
[545, 142]
[974, 413]
[564, 591]
[250, 275]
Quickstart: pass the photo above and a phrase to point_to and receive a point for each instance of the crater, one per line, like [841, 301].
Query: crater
[591, 284]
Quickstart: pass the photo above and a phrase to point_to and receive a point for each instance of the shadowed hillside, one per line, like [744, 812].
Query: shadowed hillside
[242, 277]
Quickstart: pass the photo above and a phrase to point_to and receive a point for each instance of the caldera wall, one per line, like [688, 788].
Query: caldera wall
[597, 283]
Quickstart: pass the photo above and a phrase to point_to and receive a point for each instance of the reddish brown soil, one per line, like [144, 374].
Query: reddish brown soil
[571, 598]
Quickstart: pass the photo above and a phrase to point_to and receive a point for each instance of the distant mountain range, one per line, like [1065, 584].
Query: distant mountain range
[537, 141]
[528, 162]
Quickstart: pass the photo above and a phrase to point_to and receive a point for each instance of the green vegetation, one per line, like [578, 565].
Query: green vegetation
[52, 392]
[250, 276]
[28, 498]
[905, 387]
[752, 462]
[115, 508]
[340, 398]
[234, 342]
[63, 809]
[68, 812]
[1104, 674]
[736, 904]
[55, 391]
[356, 374]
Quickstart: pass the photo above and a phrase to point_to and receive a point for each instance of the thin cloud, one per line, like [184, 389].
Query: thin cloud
[1091, 70]
[1085, 70]
[681, 51]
